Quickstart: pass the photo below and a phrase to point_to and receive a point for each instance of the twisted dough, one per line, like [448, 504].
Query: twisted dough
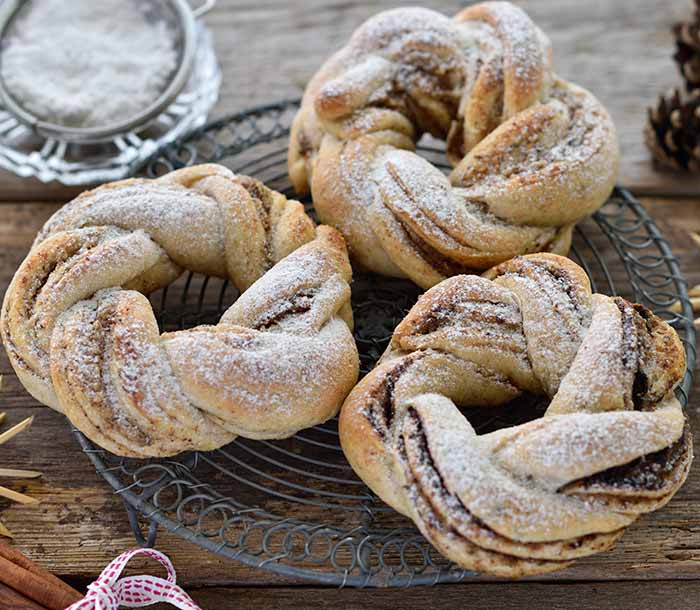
[613, 443]
[533, 153]
[83, 339]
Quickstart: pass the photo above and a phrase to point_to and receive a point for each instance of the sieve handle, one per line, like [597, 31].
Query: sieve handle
[203, 8]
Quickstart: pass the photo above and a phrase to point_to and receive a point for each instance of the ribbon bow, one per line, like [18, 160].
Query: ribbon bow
[109, 593]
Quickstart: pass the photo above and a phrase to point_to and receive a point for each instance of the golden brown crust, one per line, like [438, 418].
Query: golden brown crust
[533, 154]
[84, 342]
[613, 444]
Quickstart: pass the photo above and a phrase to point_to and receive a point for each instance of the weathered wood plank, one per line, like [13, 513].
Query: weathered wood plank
[620, 50]
[518, 596]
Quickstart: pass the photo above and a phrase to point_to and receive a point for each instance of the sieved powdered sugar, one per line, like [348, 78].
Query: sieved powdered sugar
[67, 62]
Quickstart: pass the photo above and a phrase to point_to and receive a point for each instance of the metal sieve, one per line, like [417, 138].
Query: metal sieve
[180, 18]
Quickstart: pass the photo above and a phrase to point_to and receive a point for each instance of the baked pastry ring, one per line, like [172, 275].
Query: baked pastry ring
[83, 338]
[528, 499]
[533, 153]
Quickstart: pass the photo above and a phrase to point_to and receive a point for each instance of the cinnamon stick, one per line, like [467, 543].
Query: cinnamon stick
[16, 557]
[11, 600]
[45, 592]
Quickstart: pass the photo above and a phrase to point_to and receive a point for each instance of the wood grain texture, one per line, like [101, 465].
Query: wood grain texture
[619, 49]
[640, 596]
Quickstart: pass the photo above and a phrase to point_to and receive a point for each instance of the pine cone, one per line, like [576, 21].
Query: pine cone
[672, 132]
[687, 54]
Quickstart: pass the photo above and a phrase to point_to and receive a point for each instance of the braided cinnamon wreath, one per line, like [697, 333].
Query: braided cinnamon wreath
[613, 443]
[83, 338]
[533, 153]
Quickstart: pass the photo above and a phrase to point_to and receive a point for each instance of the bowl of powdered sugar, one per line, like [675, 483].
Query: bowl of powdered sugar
[85, 70]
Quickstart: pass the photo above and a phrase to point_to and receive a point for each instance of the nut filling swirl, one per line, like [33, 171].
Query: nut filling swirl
[612, 445]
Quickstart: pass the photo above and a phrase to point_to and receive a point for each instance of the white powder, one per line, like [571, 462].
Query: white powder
[87, 64]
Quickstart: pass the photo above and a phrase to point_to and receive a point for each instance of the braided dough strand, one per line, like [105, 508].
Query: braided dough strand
[533, 154]
[612, 445]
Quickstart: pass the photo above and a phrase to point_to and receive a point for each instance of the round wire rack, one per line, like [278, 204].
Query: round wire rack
[295, 507]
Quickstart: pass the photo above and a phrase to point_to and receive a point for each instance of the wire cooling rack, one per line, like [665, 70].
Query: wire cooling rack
[294, 506]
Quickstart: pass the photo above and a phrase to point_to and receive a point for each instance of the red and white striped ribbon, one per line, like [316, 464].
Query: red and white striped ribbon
[108, 592]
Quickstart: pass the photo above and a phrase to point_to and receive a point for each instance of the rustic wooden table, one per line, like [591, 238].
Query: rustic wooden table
[268, 49]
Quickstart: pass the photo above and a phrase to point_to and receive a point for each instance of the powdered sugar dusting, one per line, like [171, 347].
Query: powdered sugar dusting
[281, 359]
[186, 223]
[552, 489]
[512, 509]
[541, 151]
[560, 449]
